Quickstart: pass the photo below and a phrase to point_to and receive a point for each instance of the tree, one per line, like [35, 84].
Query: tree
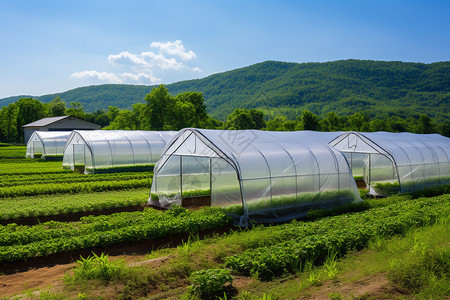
[424, 125]
[359, 121]
[158, 107]
[309, 121]
[75, 109]
[245, 119]
[57, 107]
[29, 110]
[8, 121]
[332, 122]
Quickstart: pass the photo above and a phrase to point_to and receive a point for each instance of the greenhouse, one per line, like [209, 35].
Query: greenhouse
[47, 144]
[393, 162]
[96, 151]
[257, 175]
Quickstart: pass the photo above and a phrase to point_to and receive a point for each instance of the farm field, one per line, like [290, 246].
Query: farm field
[366, 251]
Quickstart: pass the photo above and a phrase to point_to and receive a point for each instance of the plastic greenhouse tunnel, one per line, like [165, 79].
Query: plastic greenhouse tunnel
[396, 162]
[47, 144]
[256, 175]
[97, 151]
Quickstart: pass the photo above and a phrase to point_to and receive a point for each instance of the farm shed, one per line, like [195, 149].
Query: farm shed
[47, 144]
[62, 123]
[95, 151]
[258, 175]
[391, 162]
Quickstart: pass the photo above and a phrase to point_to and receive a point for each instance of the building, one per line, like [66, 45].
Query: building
[62, 123]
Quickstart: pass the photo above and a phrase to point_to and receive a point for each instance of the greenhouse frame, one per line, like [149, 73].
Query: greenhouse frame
[98, 151]
[47, 144]
[256, 175]
[396, 162]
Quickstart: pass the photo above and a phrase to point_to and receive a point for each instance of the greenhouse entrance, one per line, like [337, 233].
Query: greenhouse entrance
[195, 176]
[393, 162]
[48, 145]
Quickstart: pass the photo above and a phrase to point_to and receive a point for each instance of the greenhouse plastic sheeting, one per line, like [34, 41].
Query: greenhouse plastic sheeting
[392, 162]
[94, 151]
[259, 175]
[47, 144]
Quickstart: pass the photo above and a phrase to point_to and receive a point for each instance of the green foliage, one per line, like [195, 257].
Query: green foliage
[245, 119]
[97, 267]
[50, 205]
[314, 241]
[424, 272]
[25, 242]
[209, 283]
[57, 107]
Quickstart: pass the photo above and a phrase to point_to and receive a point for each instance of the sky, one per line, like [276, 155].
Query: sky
[51, 46]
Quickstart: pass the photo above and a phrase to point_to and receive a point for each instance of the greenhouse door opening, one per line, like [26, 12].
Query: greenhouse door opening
[194, 176]
[37, 149]
[396, 162]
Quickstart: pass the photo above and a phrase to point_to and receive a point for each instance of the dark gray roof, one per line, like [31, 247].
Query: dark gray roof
[51, 120]
[45, 121]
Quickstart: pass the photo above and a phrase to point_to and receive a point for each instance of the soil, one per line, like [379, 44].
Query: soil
[369, 287]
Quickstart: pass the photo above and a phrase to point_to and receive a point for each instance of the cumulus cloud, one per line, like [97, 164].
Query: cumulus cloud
[140, 67]
[175, 48]
[115, 78]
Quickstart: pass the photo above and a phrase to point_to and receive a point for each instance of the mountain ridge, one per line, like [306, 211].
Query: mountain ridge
[343, 86]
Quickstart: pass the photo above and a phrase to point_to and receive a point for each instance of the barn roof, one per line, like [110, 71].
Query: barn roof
[50, 120]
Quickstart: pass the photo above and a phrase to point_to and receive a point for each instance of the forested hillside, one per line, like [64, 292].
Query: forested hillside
[345, 87]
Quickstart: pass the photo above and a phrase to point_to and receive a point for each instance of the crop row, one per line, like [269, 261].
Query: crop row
[173, 222]
[13, 180]
[76, 187]
[13, 234]
[12, 152]
[48, 205]
[314, 241]
[27, 166]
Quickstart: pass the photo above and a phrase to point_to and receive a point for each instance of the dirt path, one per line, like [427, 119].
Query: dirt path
[32, 279]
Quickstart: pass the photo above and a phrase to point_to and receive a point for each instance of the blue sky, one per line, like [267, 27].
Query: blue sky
[53, 46]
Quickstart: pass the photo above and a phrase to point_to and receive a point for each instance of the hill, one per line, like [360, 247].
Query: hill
[381, 88]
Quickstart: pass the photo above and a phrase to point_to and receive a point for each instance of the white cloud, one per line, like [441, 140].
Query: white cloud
[126, 58]
[117, 78]
[140, 67]
[104, 76]
[175, 48]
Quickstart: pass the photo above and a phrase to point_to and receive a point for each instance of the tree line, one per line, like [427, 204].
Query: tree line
[163, 111]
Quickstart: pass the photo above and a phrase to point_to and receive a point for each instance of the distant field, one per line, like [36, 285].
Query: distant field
[33, 188]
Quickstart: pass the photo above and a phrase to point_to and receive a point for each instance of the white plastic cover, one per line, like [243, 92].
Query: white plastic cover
[114, 150]
[398, 161]
[271, 176]
[48, 144]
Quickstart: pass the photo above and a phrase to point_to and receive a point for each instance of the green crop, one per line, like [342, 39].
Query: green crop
[25, 242]
[312, 241]
[49, 205]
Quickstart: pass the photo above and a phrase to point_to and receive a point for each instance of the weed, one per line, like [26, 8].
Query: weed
[335, 296]
[209, 283]
[424, 271]
[98, 267]
[330, 265]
